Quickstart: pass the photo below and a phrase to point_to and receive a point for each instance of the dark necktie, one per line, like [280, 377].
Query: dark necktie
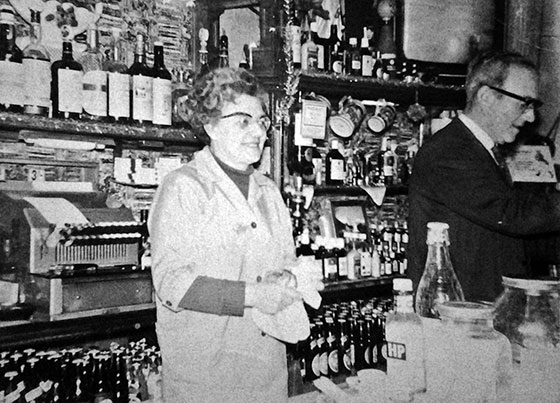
[501, 161]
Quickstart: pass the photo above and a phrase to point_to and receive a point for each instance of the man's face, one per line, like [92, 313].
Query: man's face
[507, 115]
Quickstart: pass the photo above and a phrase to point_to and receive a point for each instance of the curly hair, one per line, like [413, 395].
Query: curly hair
[209, 93]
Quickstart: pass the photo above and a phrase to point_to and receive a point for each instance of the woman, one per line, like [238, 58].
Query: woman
[217, 228]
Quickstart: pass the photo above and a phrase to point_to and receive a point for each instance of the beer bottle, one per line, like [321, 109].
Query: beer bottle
[332, 348]
[102, 392]
[344, 362]
[315, 352]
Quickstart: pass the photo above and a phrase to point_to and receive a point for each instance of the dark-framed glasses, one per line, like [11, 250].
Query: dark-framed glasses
[528, 102]
[245, 120]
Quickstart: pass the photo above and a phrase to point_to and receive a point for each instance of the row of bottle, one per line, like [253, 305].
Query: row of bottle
[332, 55]
[353, 257]
[343, 340]
[345, 167]
[81, 375]
[93, 87]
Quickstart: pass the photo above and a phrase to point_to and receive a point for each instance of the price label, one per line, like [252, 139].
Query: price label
[35, 174]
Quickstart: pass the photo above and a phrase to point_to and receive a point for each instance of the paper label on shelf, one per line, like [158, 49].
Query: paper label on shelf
[162, 102]
[11, 82]
[37, 85]
[94, 84]
[57, 210]
[142, 96]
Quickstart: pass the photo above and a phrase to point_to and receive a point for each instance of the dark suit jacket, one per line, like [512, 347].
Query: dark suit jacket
[455, 180]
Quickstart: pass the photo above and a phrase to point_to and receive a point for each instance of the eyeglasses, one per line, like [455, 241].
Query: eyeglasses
[247, 120]
[528, 102]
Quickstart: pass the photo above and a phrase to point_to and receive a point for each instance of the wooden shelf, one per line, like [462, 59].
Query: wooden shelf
[346, 285]
[331, 86]
[358, 191]
[16, 122]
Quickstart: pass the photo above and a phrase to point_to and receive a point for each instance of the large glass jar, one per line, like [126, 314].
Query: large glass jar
[467, 360]
[528, 313]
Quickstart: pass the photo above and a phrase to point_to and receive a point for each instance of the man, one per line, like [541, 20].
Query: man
[457, 179]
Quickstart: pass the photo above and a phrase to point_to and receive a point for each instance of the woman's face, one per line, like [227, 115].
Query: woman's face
[237, 138]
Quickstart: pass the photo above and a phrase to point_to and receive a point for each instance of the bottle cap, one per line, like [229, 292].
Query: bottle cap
[438, 233]
[402, 284]
[353, 41]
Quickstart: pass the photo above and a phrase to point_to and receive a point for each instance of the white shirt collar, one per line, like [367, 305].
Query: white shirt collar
[478, 132]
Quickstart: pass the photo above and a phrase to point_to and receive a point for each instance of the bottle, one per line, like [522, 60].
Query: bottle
[341, 253]
[320, 47]
[162, 107]
[353, 58]
[344, 359]
[331, 260]
[309, 53]
[33, 391]
[353, 261]
[141, 108]
[223, 50]
[294, 34]
[335, 165]
[367, 57]
[329, 45]
[37, 71]
[406, 369]
[118, 82]
[317, 161]
[314, 369]
[365, 261]
[439, 282]
[66, 85]
[11, 68]
[337, 59]
[94, 80]
[103, 390]
[386, 161]
[331, 347]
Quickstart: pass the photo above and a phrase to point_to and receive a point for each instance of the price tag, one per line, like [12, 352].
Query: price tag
[35, 174]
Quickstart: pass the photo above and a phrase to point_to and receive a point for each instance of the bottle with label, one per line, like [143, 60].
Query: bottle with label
[118, 82]
[37, 71]
[66, 85]
[353, 261]
[309, 53]
[387, 160]
[94, 80]
[341, 253]
[367, 57]
[331, 260]
[344, 354]
[294, 27]
[365, 261]
[438, 283]
[406, 370]
[337, 59]
[332, 347]
[162, 107]
[353, 58]
[11, 68]
[335, 173]
[223, 50]
[329, 44]
[320, 47]
[141, 85]
[317, 161]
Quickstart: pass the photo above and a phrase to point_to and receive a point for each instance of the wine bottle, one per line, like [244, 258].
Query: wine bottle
[367, 57]
[294, 25]
[11, 68]
[118, 82]
[141, 85]
[37, 71]
[335, 165]
[161, 89]
[330, 44]
[66, 85]
[309, 54]
[94, 80]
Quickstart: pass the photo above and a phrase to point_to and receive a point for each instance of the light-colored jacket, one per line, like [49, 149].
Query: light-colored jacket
[202, 225]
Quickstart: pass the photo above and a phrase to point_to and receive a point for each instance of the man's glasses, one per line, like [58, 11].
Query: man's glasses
[528, 102]
[246, 120]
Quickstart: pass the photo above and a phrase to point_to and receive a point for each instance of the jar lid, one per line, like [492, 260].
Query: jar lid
[531, 285]
[466, 310]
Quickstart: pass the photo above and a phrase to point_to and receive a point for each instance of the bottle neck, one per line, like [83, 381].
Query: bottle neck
[438, 253]
[35, 33]
[67, 51]
[404, 302]
[158, 58]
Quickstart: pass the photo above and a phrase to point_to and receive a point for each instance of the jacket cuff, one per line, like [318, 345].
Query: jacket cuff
[215, 296]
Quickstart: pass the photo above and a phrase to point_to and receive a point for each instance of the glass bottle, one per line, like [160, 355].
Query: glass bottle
[94, 80]
[335, 164]
[309, 54]
[329, 44]
[141, 85]
[162, 108]
[66, 85]
[223, 50]
[439, 282]
[37, 71]
[320, 47]
[406, 369]
[353, 58]
[366, 55]
[118, 81]
[294, 34]
[11, 69]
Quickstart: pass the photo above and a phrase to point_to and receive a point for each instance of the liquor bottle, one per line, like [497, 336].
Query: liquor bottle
[353, 261]
[365, 261]
[294, 34]
[337, 59]
[309, 54]
[366, 56]
[331, 260]
[353, 58]
[203, 36]
[118, 81]
[341, 253]
[388, 158]
[320, 47]
[37, 71]
[317, 161]
[375, 263]
[223, 50]
[94, 80]
[141, 85]
[406, 369]
[439, 282]
[329, 44]
[162, 107]
[11, 68]
[66, 85]
[335, 165]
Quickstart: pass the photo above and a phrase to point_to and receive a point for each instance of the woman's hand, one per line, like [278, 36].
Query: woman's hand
[270, 298]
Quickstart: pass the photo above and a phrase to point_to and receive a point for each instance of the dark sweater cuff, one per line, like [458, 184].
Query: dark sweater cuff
[215, 296]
